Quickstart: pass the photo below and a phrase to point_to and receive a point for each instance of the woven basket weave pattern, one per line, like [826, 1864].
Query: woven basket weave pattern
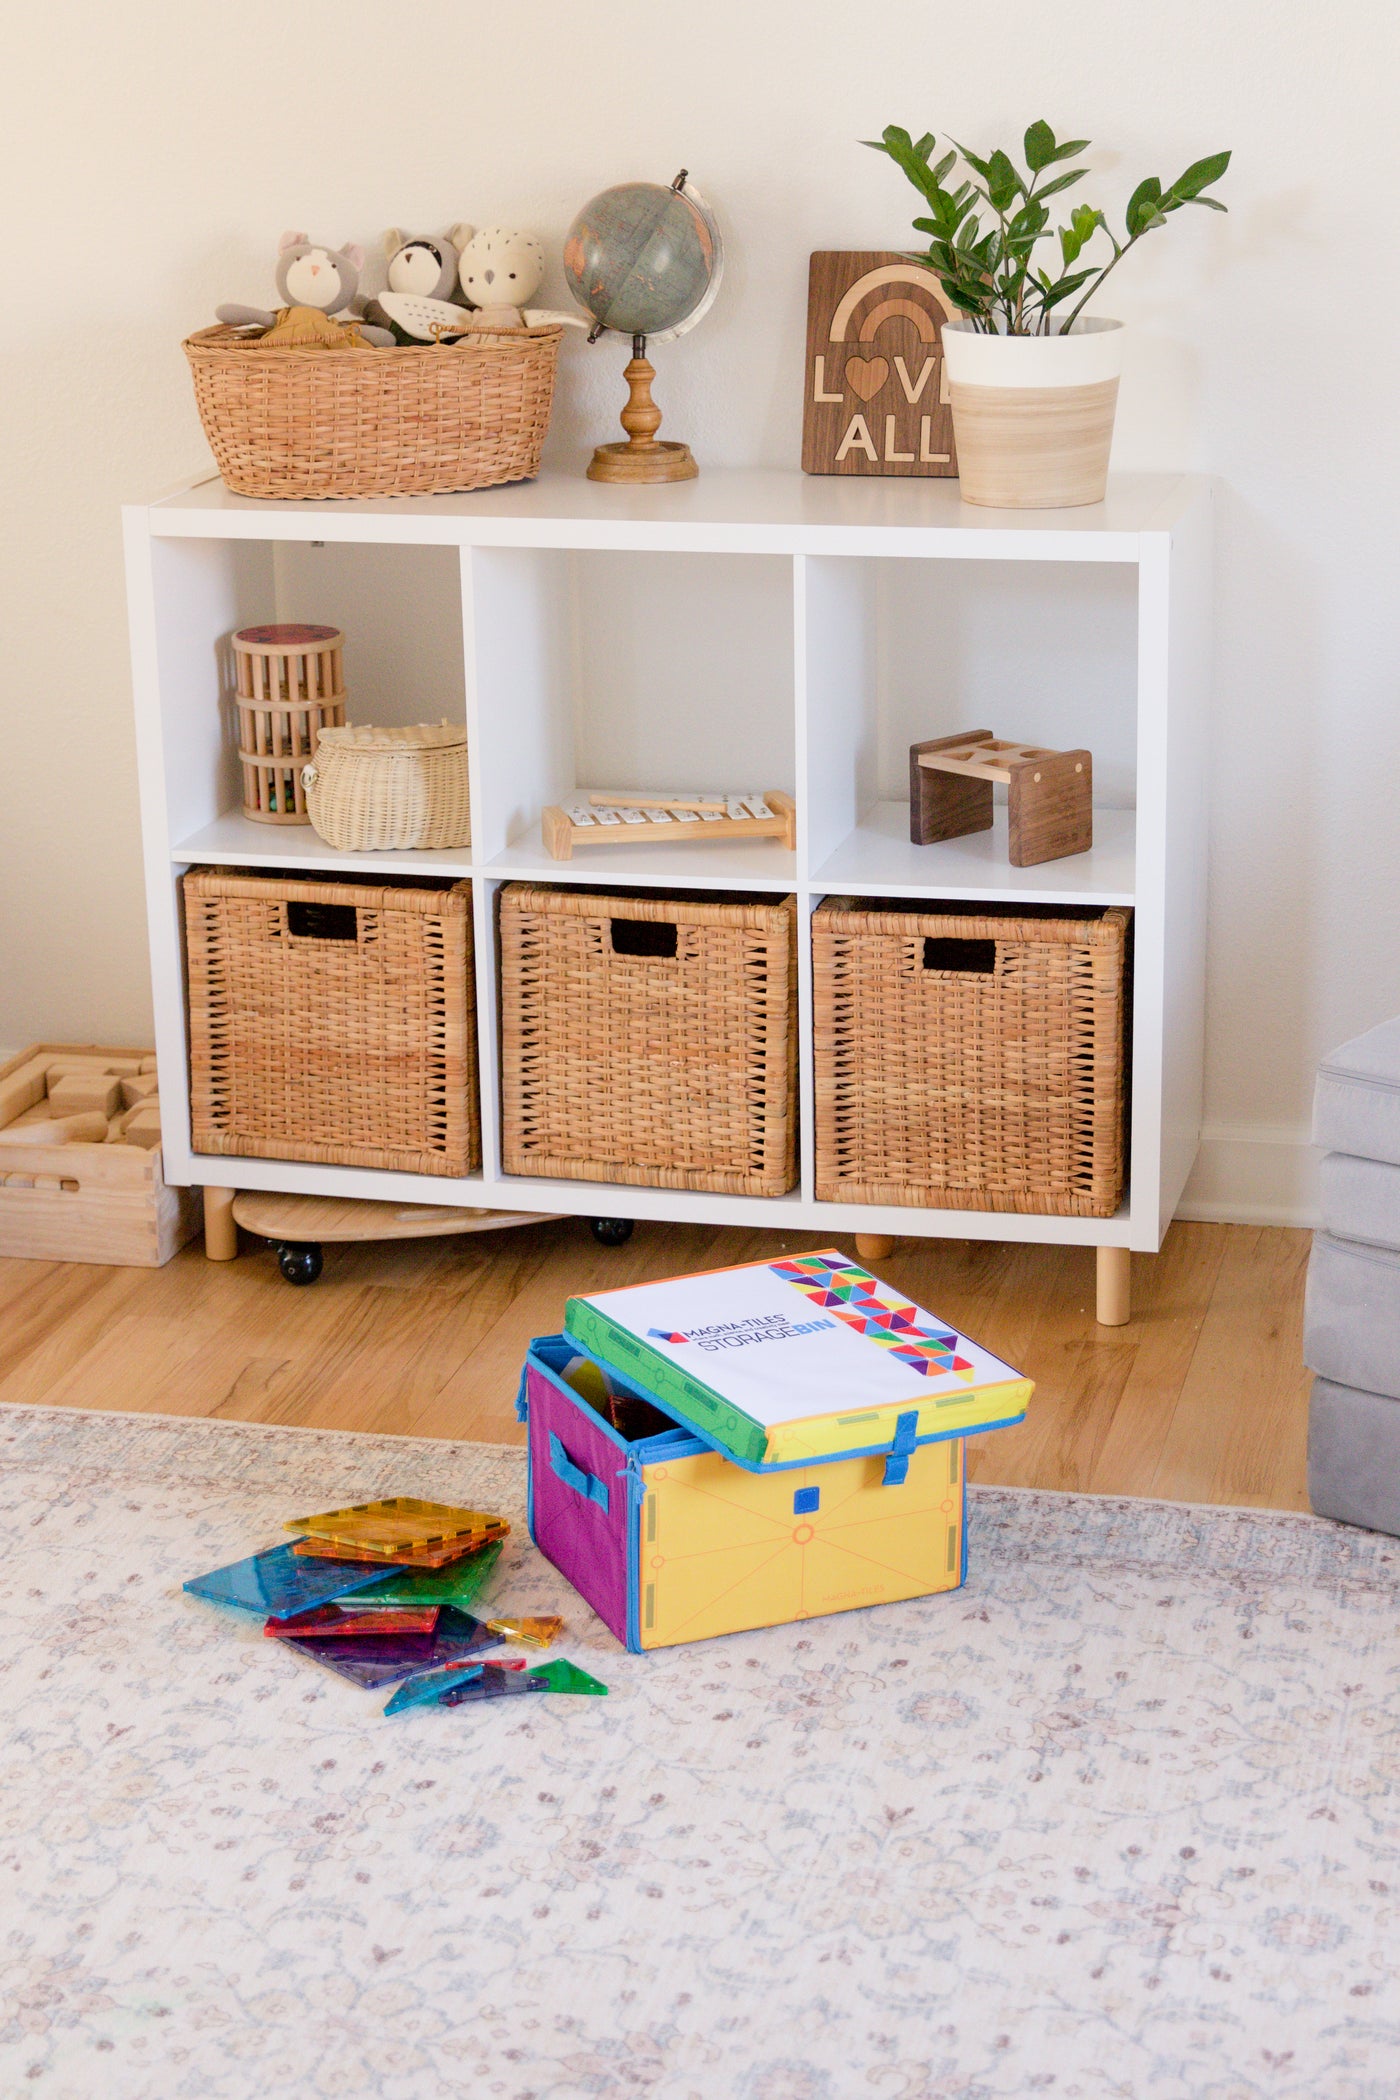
[409, 422]
[952, 1089]
[370, 798]
[352, 1052]
[659, 1072]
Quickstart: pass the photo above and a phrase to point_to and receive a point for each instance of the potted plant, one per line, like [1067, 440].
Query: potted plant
[1032, 383]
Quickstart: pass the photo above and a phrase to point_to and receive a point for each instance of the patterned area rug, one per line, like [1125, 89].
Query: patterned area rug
[1117, 1819]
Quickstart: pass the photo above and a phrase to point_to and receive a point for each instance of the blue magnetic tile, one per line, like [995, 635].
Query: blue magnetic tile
[281, 1582]
[429, 1685]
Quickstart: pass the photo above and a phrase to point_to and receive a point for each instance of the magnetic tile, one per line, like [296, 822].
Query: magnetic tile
[492, 1684]
[462, 1582]
[330, 1623]
[428, 1686]
[399, 1556]
[531, 1633]
[378, 1660]
[398, 1521]
[563, 1676]
[278, 1583]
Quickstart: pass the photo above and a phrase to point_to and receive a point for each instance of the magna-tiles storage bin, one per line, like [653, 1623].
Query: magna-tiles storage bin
[332, 1020]
[969, 1059]
[650, 1040]
[669, 1541]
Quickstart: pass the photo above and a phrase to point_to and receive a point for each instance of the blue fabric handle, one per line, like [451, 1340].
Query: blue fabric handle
[906, 1429]
[585, 1484]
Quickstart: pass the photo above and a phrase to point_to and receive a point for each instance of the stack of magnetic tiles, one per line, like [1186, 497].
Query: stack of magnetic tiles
[382, 1593]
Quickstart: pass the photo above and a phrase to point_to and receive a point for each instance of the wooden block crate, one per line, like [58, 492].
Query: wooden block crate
[84, 1202]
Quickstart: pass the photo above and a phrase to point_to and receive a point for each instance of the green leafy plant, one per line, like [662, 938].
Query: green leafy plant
[984, 232]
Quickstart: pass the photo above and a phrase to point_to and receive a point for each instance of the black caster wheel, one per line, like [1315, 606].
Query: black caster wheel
[612, 1232]
[299, 1261]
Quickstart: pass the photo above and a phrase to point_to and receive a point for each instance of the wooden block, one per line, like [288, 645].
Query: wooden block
[558, 833]
[148, 1064]
[146, 1135]
[94, 1061]
[23, 1088]
[88, 1129]
[78, 1093]
[142, 1086]
[947, 805]
[1050, 807]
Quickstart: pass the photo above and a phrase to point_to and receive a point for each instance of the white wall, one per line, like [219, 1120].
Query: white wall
[153, 152]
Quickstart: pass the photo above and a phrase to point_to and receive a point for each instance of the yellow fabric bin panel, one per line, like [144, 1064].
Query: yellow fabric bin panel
[722, 1550]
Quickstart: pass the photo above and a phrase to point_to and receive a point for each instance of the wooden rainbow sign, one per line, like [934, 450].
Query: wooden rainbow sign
[876, 396]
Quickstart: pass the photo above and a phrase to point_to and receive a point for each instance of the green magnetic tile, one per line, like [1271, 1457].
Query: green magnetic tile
[461, 1584]
[563, 1676]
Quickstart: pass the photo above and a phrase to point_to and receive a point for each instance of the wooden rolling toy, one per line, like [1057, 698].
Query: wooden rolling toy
[658, 818]
[1050, 794]
[299, 1226]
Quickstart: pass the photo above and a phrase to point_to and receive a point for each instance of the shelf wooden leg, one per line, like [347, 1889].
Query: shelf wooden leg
[220, 1232]
[1115, 1287]
[874, 1246]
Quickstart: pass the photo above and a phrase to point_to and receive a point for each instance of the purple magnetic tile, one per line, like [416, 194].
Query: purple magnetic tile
[372, 1659]
[492, 1684]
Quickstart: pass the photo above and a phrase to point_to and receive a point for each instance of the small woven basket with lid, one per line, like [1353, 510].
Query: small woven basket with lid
[371, 788]
[417, 421]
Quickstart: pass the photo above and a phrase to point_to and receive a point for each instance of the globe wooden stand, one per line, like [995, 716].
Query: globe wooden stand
[644, 457]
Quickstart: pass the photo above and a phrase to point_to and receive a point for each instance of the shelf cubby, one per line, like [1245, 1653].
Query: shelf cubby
[763, 630]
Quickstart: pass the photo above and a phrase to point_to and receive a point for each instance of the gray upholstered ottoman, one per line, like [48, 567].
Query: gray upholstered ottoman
[1352, 1326]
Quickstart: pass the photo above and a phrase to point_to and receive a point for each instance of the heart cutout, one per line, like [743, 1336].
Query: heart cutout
[866, 375]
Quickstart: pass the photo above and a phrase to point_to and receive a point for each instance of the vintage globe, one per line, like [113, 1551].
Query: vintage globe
[644, 259]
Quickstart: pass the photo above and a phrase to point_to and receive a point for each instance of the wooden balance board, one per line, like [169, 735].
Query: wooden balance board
[318, 1219]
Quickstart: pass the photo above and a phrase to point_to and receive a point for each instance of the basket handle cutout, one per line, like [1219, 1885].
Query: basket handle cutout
[651, 937]
[972, 958]
[322, 922]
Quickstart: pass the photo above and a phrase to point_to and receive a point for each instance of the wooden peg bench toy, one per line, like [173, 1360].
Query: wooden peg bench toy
[1050, 794]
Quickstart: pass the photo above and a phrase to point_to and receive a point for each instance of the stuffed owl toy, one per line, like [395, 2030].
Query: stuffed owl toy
[316, 284]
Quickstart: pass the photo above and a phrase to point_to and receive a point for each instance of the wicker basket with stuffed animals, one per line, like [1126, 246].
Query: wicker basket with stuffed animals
[412, 396]
[422, 420]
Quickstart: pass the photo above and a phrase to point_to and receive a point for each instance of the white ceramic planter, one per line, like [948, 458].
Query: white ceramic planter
[1033, 414]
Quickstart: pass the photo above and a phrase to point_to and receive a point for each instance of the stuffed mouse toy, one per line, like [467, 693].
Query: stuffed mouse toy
[316, 284]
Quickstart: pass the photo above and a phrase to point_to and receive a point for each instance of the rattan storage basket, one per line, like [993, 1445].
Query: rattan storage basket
[968, 1059]
[332, 1020]
[649, 1040]
[369, 789]
[419, 421]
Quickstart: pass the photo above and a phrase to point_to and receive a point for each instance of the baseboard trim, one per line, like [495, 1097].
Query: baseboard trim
[1252, 1174]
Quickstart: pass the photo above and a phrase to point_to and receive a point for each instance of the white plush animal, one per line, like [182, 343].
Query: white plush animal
[500, 273]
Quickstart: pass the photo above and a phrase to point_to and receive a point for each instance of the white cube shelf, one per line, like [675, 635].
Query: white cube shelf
[748, 629]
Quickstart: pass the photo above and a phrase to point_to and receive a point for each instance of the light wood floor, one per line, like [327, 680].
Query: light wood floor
[1203, 1398]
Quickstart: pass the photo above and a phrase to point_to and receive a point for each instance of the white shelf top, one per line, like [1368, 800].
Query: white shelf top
[760, 864]
[726, 510]
[234, 840]
[878, 859]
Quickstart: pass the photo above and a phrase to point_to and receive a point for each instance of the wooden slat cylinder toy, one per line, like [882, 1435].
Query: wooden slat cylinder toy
[291, 686]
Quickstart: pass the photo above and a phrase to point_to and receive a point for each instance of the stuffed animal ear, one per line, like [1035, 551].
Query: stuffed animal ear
[291, 240]
[354, 253]
[460, 234]
[393, 241]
